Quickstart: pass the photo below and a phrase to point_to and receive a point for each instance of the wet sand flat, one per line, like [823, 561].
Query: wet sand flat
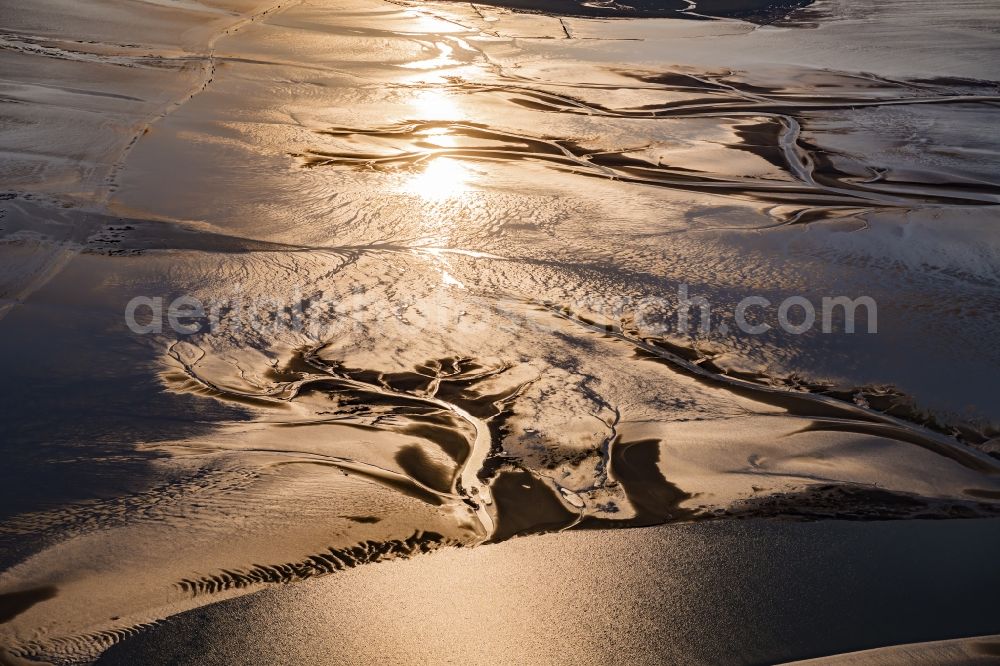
[439, 250]
[750, 592]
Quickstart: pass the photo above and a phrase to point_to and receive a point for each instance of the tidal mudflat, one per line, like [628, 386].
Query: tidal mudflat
[291, 289]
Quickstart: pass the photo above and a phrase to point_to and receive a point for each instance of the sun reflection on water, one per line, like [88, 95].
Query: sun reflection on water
[440, 178]
[439, 136]
[435, 104]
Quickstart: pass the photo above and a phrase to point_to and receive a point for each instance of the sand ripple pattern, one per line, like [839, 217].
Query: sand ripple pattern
[770, 123]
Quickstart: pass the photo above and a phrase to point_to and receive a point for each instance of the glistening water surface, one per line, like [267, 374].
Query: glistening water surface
[443, 254]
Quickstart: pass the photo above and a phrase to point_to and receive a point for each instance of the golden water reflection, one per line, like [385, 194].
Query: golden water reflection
[440, 178]
[435, 104]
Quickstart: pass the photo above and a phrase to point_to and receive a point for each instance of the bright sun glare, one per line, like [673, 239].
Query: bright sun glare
[441, 178]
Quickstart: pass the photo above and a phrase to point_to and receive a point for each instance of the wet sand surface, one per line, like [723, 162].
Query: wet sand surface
[748, 592]
[439, 247]
[758, 11]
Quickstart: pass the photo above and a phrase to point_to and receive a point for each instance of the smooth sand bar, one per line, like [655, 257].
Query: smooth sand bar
[974, 650]
[432, 260]
[749, 592]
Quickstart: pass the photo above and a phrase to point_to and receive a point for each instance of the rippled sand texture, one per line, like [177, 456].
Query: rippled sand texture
[485, 216]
